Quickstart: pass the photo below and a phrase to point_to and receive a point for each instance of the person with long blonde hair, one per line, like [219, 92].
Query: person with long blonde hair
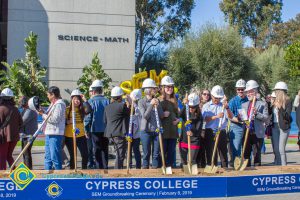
[281, 118]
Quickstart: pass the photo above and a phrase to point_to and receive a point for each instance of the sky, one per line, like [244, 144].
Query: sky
[209, 11]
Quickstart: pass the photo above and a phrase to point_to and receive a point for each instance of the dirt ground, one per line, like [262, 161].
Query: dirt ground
[112, 173]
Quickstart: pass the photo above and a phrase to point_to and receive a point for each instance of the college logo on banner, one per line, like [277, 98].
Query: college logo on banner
[22, 176]
[54, 190]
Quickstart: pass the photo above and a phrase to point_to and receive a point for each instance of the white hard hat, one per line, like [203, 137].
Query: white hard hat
[149, 83]
[90, 89]
[217, 92]
[116, 92]
[136, 94]
[7, 93]
[193, 99]
[76, 93]
[167, 81]
[34, 103]
[251, 85]
[273, 95]
[281, 86]
[240, 83]
[97, 83]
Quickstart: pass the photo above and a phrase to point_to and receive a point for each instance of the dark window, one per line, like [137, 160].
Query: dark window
[3, 29]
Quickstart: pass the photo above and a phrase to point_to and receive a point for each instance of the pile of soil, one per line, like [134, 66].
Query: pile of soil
[113, 173]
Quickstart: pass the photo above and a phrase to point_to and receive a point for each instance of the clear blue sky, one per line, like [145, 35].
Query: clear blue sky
[209, 11]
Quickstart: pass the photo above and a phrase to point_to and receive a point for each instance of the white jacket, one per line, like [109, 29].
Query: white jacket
[57, 121]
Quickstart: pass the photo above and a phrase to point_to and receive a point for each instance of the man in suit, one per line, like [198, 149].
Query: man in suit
[116, 118]
[257, 126]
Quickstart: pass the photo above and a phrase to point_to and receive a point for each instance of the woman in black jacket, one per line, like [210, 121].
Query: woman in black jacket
[281, 118]
[192, 128]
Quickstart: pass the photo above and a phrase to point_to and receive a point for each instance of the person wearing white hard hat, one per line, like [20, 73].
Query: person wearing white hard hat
[135, 96]
[30, 125]
[296, 104]
[11, 123]
[116, 118]
[148, 125]
[212, 113]
[281, 119]
[193, 130]
[236, 131]
[169, 105]
[54, 130]
[94, 126]
[257, 125]
[81, 140]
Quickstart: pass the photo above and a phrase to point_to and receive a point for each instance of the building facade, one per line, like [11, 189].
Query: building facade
[70, 31]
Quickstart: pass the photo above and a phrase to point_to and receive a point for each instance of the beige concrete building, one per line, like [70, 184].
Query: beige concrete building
[69, 32]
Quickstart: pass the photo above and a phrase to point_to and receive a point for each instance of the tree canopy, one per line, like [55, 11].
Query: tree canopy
[251, 17]
[159, 22]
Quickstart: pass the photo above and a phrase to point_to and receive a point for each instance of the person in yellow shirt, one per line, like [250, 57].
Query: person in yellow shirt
[81, 140]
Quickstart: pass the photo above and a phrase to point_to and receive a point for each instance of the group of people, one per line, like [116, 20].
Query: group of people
[140, 119]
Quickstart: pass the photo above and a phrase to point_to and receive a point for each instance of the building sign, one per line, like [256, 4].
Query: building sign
[152, 188]
[90, 38]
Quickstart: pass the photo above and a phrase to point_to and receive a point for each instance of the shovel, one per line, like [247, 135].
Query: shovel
[241, 163]
[74, 136]
[212, 169]
[189, 168]
[129, 138]
[165, 170]
[32, 139]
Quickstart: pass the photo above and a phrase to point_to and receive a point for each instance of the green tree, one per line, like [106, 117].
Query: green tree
[281, 34]
[271, 68]
[155, 59]
[159, 22]
[292, 57]
[92, 72]
[26, 76]
[210, 57]
[252, 16]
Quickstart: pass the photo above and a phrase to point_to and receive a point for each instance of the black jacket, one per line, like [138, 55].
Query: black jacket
[197, 122]
[116, 118]
[284, 116]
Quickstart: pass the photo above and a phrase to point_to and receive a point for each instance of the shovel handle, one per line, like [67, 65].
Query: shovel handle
[248, 129]
[33, 138]
[217, 139]
[160, 139]
[74, 136]
[189, 150]
[129, 142]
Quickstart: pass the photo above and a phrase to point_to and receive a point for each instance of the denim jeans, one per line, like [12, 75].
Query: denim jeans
[279, 139]
[135, 147]
[148, 139]
[53, 152]
[236, 137]
[170, 151]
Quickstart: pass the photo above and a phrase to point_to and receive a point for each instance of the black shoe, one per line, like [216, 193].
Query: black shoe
[145, 167]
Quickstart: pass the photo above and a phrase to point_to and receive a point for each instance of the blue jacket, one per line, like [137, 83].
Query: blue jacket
[94, 122]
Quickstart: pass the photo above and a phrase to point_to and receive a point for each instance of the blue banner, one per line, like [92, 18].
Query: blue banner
[151, 188]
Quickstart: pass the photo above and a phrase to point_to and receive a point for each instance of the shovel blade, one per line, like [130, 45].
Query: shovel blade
[163, 169]
[237, 163]
[211, 169]
[194, 169]
[169, 170]
[186, 169]
[244, 165]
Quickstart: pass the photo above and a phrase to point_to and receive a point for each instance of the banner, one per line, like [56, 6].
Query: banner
[150, 188]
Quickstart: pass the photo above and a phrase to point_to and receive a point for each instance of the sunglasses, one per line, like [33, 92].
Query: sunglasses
[242, 90]
[193, 107]
[169, 87]
[205, 94]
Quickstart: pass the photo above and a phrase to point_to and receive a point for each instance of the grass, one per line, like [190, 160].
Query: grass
[290, 141]
[36, 143]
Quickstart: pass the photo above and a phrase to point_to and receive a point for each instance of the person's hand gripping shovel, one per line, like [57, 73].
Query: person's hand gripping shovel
[159, 130]
[212, 169]
[241, 163]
